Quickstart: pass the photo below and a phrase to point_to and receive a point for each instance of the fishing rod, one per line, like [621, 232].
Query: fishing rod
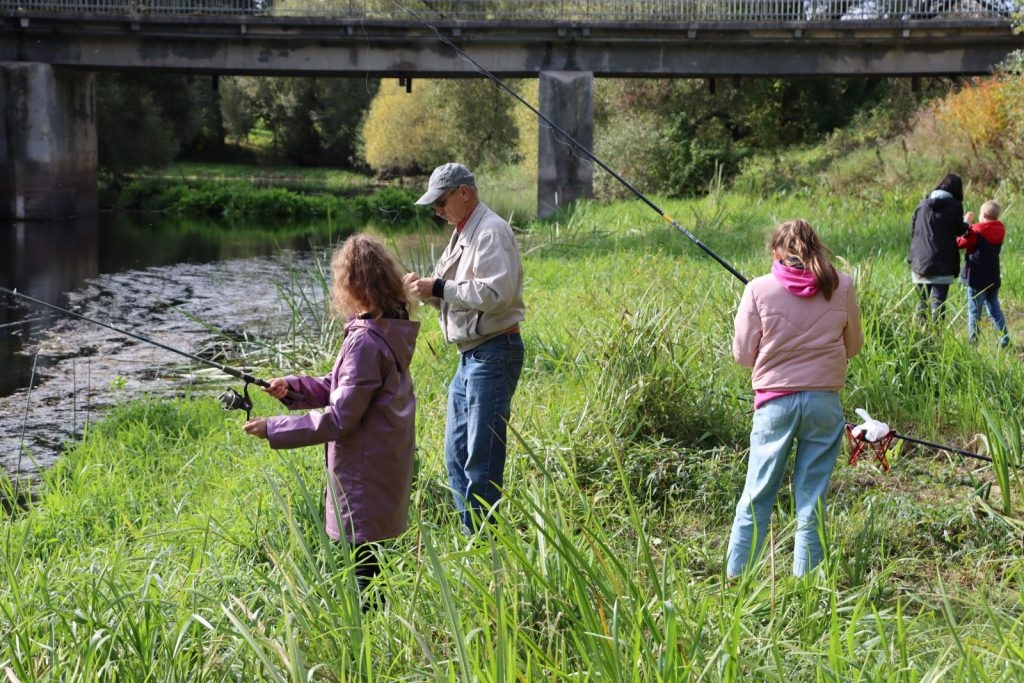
[576, 144]
[941, 447]
[229, 399]
[879, 437]
[882, 444]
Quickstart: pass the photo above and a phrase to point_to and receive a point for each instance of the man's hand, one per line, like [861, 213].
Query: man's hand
[418, 287]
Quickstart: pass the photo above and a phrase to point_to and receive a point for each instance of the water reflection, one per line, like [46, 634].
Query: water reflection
[45, 260]
[165, 280]
[132, 241]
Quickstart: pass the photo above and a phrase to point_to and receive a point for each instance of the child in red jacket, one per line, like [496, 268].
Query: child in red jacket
[981, 269]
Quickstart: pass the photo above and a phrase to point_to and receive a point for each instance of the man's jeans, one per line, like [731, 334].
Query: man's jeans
[479, 407]
[814, 420]
[990, 298]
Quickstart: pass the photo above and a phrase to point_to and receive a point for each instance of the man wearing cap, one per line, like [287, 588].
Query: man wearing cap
[477, 286]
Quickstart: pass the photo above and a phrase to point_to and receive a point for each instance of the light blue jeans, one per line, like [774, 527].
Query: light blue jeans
[990, 298]
[814, 421]
[479, 407]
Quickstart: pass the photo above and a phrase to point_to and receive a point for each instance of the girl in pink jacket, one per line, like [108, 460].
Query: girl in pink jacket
[796, 328]
[363, 411]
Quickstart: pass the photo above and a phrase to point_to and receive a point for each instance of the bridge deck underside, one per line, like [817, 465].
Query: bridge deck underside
[305, 45]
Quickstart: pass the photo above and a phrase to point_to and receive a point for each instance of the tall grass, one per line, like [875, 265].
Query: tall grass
[167, 545]
[1004, 442]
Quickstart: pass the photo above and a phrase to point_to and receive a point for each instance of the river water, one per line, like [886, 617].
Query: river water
[172, 283]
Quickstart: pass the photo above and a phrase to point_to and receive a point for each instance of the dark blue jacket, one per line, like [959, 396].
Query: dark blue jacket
[983, 244]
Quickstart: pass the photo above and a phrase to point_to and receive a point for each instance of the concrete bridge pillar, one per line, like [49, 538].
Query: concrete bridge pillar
[564, 175]
[48, 157]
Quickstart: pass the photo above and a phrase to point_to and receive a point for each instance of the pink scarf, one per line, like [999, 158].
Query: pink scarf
[799, 281]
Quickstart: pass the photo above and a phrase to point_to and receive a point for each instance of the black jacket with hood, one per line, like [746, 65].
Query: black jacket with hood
[938, 221]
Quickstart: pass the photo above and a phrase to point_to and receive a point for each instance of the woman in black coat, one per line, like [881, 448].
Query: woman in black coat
[934, 258]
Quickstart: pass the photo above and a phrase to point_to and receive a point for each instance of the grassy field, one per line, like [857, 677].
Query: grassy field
[168, 546]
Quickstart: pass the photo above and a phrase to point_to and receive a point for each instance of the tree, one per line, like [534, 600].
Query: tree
[481, 113]
[141, 119]
[440, 120]
[237, 106]
[403, 134]
[678, 135]
[285, 107]
[313, 120]
[344, 103]
[205, 132]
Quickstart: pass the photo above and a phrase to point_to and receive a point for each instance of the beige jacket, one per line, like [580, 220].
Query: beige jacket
[483, 289]
[794, 343]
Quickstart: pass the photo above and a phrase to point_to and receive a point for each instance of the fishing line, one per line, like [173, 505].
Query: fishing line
[577, 146]
[224, 368]
[230, 399]
[24, 423]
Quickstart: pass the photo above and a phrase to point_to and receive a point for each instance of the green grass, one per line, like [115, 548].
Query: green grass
[234, 203]
[167, 545]
[321, 179]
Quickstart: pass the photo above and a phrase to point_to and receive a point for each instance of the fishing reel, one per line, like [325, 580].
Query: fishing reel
[232, 400]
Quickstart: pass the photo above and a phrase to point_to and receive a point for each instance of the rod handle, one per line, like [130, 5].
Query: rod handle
[293, 395]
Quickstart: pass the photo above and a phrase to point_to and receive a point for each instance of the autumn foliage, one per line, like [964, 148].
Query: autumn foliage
[983, 123]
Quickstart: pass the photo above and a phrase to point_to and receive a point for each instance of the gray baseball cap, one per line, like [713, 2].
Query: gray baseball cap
[445, 177]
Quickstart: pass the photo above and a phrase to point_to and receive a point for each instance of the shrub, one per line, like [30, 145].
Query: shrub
[403, 132]
[632, 144]
[976, 112]
[980, 127]
[440, 120]
[388, 205]
[225, 200]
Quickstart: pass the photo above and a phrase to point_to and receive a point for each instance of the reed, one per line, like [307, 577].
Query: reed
[1004, 443]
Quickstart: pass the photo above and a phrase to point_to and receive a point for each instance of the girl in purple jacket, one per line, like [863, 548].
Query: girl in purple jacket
[364, 410]
[796, 328]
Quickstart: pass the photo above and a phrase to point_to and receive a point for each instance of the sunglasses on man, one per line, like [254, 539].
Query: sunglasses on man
[443, 199]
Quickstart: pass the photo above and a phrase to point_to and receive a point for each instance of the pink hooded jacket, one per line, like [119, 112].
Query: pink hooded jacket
[368, 424]
[791, 336]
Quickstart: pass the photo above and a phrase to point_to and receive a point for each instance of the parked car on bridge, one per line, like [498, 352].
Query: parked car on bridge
[854, 10]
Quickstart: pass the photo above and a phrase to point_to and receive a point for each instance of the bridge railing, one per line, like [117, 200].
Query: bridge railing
[547, 10]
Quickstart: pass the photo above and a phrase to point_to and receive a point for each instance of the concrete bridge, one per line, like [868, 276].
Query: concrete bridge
[50, 49]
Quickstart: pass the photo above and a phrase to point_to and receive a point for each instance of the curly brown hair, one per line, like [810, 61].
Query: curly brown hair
[366, 277]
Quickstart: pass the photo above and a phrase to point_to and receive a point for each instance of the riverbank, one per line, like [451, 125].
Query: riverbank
[187, 550]
[233, 194]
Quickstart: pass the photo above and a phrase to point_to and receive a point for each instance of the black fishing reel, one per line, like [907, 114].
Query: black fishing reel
[232, 400]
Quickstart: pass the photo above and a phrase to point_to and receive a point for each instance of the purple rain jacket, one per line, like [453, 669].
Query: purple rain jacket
[368, 424]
